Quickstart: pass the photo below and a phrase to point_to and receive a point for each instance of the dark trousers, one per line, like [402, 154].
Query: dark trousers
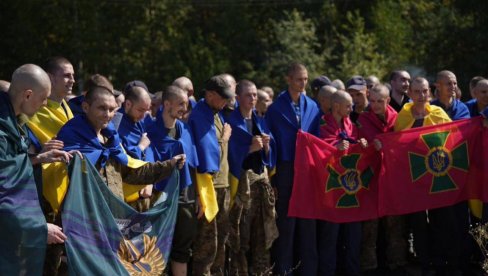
[296, 243]
[441, 237]
[328, 249]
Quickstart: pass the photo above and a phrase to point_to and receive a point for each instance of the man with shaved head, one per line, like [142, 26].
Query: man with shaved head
[290, 112]
[452, 231]
[371, 81]
[252, 216]
[170, 136]
[4, 85]
[93, 80]
[268, 90]
[380, 118]
[399, 82]
[232, 102]
[446, 85]
[128, 120]
[480, 98]
[264, 101]
[21, 216]
[187, 86]
[323, 98]
[43, 129]
[428, 242]
[50, 118]
[339, 131]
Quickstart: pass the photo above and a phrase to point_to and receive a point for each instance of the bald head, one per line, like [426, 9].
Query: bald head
[173, 92]
[4, 85]
[379, 98]
[29, 89]
[372, 81]
[230, 80]
[380, 90]
[326, 91]
[185, 84]
[337, 83]
[323, 97]
[268, 90]
[480, 93]
[340, 97]
[341, 102]
[446, 86]
[481, 83]
[445, 74]
[136, 94]
[137, 103]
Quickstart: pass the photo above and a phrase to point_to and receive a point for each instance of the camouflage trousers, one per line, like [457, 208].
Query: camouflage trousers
[144, 204]
[55, 262]
[209, 245]
[253, 225]
[395, 239]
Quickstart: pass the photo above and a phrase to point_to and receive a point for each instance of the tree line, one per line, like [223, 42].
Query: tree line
[157, 40]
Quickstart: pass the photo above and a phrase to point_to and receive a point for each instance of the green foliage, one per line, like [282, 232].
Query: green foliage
[292, 39]
[157, 41]
[359, 55]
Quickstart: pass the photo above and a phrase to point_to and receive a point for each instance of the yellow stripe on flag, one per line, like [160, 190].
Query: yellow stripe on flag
[208, 199]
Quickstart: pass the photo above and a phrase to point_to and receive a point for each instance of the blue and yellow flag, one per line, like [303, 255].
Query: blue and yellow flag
[108, 237]
[78, 134]
[164, 147]
[204, 133]
[239, 143]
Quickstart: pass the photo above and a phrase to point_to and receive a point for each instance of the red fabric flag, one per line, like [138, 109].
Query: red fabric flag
[430, 167]
[333, 185]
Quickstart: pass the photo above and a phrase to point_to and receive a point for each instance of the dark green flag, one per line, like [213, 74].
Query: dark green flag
[108, 237]
[23, 228]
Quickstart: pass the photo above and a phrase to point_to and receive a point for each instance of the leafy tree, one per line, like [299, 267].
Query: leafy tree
[292, 39]
[358, 50]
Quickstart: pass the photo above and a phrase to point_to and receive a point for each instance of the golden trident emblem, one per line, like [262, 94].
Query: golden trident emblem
[439, 160]
[147, 264]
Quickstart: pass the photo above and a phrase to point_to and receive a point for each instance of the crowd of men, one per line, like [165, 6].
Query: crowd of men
[235, 151]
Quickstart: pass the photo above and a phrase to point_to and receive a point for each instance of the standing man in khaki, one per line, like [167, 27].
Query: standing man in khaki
[211, 136]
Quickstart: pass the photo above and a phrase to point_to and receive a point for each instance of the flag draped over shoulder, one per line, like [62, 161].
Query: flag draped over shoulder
[77, 134]
[204, 133]
[105, 236]
[164, 147]
[431, 167]
[239, 144]
[333, 185]
[49, 119]
[22, 224]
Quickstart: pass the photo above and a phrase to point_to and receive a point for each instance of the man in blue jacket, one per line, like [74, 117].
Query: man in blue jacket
[292, 111]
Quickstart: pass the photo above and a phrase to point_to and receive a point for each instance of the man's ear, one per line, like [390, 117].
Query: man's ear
[51, 78]
[27, 94]
[127, 104]
[334, 106]
[166, 104]
[388, 100]
[437, 85]
[287, 79]
[85, 106]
